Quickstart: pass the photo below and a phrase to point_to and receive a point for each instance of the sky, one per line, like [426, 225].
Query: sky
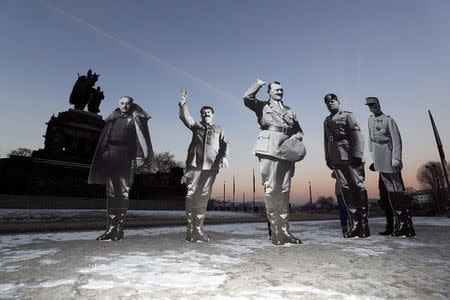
[395, 50]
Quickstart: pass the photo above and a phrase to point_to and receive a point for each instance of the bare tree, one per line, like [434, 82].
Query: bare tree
[162, 163]
[21, 152]
[431, 176]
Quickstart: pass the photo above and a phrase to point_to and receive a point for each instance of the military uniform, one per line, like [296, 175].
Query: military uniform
[206, 152]
[278, 122]
[385, 143]
[123, 146]
[344, 143]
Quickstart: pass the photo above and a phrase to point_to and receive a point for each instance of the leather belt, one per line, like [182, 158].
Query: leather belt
[382, 142]
[285, 130]
[332, 138]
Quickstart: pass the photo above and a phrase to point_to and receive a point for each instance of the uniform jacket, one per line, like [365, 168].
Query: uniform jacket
[342, 139]
[144, 150]
[208, 146]
[270, 113]
[385, 142]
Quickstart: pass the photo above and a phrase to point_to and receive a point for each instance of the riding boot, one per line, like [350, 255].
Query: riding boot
[284, 221]
[365, 212]
[357, 230]
[190, 237]
[120, 224]
[409, 224]
[347, 195]
[200, 236]
[402, 209]
[110, 226]
[274, 219]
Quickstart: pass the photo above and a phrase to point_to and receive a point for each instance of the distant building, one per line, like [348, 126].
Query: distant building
[423, 196]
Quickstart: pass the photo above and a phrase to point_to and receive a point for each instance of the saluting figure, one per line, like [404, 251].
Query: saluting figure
[344, 148]
[278, 147]
[207, 153]
[385, 146]
[123, 147]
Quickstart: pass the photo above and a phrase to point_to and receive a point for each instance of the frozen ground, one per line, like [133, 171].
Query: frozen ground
[12, 215]
[239, 263]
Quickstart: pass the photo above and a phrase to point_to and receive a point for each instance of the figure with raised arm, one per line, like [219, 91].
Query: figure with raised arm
[278, 147]
[207, 153]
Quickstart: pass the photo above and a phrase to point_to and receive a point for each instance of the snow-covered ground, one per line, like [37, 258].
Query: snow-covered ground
[239, 263]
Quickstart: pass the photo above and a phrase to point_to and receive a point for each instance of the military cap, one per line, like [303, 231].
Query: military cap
[329, 97]
[293, 149]
[372, 100]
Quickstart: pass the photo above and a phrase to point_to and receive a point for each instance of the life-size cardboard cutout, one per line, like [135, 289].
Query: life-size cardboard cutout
[207, 153]
[385, 146]
[344, 148]
[123, 147]
[276, 154]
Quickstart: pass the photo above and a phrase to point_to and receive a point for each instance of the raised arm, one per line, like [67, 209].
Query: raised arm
[250, 95]
[184, 111]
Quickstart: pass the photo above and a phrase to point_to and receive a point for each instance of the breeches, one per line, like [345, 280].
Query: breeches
[351, 177]
[276, 175]
[393, 182]
[199, 184]
[117, 190]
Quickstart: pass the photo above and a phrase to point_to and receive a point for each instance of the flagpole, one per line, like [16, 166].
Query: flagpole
[442, 157]
[234, 189]
[253, 189]
[224, 195]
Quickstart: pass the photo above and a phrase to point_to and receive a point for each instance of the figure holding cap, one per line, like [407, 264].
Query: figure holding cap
[344, 148]
[278, 147]
[207, 153]
[385, 147]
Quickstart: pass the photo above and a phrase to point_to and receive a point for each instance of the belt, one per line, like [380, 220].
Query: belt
[332, 138]
[382, 142]
[286, 130]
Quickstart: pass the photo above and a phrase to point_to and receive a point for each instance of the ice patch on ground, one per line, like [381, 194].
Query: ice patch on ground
[164, 271]
[51, 284]
[310, 291]
[10, 291]
[94, 284]
[21, 255]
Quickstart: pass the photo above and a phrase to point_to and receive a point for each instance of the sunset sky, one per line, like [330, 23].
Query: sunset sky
[398, 51]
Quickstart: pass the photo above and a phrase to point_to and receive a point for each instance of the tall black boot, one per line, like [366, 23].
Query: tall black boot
[402, 209]
[120, 224]
[288, 237]
[357, 230]
[348, 196]
[365, 212]
[110, 226]
[409, 225]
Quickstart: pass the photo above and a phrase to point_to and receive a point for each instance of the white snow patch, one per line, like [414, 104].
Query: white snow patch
[9, 290]
[46, 262]
[164, 271]
[98, 285]
[310, 291]
[51, 284]
[21, 255]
